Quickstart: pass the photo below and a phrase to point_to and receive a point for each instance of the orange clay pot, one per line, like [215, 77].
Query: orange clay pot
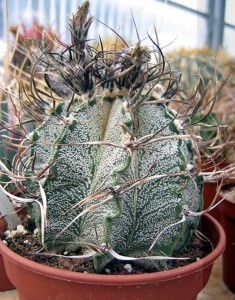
[35, 281]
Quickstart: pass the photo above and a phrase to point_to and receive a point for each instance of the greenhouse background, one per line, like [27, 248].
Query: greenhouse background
[179, 23]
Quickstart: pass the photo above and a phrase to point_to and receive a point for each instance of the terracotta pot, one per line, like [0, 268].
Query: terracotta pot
[210, 190]
[5, 284]
[227, 215]
[35, 281]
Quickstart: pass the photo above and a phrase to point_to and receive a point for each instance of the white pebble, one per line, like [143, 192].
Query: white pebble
[35, 232]
[7, 233]
[128, 268]
[13, 233]
[21, 229]
[107, 271]
[5, 242]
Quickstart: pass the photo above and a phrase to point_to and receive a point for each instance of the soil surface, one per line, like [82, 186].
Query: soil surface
[29, 247]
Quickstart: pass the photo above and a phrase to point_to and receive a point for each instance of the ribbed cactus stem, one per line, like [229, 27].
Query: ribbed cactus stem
[146, 187]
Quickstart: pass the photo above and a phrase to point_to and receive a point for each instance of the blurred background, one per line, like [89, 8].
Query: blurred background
[179, 23]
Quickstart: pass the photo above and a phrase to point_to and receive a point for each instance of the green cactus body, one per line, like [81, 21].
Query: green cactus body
[131, 220]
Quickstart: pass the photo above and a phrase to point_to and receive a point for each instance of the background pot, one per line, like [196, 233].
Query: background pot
[227, 216]
[210, 190]
[35, 281]
[209, 193]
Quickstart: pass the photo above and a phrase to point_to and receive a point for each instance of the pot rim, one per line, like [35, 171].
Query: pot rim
[121, 279]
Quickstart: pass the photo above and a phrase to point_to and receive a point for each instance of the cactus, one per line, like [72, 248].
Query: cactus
[216, 69]
[191, 62]
[112, 169]
[22, 35]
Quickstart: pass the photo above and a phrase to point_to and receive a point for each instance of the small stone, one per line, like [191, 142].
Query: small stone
[5, 242]
[35, 232]
[21, 229]
[128, 268]
[7, 233]
[13, 233]
[65, 253]
[107, 271]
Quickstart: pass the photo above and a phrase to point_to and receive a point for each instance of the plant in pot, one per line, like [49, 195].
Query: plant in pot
[112, 177]
[217, 108]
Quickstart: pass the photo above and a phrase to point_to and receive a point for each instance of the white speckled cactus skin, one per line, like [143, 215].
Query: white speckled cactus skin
[113, 145]
[129, 221]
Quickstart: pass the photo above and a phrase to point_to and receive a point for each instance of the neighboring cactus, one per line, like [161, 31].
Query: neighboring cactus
[217, 70]
[191, 62]
[112, 169]
[37, 33]
[20, 67]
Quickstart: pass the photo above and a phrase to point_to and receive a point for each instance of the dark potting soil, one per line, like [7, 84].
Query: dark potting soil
[28, 246]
